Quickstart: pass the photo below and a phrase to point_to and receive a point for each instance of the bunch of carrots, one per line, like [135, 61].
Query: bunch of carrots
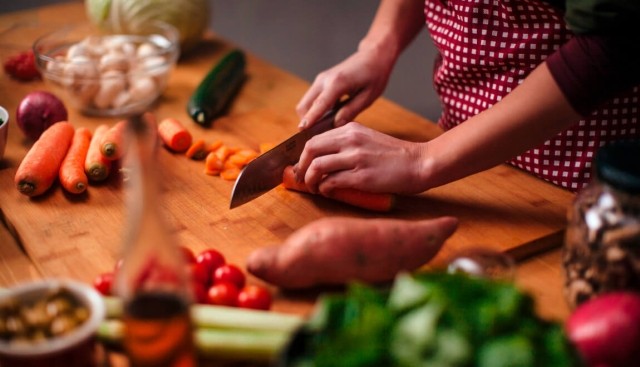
[75, 156]
[78, 157]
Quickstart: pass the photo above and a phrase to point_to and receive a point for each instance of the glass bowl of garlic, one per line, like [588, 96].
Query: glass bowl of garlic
[108, 74]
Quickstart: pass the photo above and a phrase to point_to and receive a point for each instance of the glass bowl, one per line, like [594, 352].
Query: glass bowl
[108, 74]
[483, 262]
[77, 308]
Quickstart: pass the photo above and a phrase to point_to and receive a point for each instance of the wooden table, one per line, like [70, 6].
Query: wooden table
[58, 235]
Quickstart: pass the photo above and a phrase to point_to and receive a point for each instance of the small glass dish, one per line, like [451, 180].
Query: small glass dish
[483, 262]
[108, 74]
[50, 323]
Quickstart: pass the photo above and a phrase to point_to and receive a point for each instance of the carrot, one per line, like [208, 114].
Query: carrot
[40, 166]
[175, 136]
[366, 200]
[338, 250]
[231, 164]
[223, 152]
[72, 176]
[197, 150]
[230, 174]
[96, 165]
[214, 146]
[242, 157]
[113, 145]
[213, 165]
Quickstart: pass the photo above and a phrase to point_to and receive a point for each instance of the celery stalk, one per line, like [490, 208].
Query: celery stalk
[220, 332]
[235, 344]
[221, 317]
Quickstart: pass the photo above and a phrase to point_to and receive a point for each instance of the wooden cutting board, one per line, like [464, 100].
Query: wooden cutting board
[79, 237]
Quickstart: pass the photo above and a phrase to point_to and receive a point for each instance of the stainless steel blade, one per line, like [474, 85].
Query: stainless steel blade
[265, 172]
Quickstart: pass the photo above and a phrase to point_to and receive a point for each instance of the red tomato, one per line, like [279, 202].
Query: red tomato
[255, 297]
[223, 294]
[229, 273]
[199, 292]
[189, 257]
[206, 264]
[103, 283]
[200, 273]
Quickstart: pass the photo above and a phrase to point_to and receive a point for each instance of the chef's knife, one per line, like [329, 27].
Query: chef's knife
[265, 172]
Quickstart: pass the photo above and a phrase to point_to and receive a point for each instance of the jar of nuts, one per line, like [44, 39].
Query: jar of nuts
[602, 242]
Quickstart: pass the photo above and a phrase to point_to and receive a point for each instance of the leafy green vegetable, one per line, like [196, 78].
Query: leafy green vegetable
[432, 319]
[190, 17]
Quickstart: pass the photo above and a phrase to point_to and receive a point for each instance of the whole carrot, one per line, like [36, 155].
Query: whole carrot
[96, 165]
[174, 135]
[40, 166]
[366, 200]
[113, 144]
[72, 175]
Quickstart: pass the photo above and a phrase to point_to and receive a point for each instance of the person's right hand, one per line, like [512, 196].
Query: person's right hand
[362, 77]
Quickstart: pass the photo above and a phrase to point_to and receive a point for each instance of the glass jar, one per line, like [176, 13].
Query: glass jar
[153, 281]
[602, 241]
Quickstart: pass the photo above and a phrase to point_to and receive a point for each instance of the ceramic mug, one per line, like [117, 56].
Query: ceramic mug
[4, 129]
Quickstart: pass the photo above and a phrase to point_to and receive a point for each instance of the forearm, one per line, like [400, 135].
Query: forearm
[532, 113]
[395, 25]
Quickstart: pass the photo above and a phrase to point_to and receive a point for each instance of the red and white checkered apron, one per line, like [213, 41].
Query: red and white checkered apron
[487, 47]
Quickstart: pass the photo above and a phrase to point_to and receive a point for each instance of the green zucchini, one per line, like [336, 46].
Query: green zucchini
[218, 88]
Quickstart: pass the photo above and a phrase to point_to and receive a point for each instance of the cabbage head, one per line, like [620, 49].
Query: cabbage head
[190, 17]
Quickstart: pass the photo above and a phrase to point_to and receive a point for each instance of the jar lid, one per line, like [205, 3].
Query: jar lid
[618, 164]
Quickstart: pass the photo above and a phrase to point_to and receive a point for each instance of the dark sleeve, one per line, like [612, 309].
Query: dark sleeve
[603, 17]
[590, 69]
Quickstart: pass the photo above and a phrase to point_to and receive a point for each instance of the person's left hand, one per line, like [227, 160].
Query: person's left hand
[355, 156]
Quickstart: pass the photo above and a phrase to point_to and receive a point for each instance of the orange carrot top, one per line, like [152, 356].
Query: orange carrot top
[96, 165]
[113, 144]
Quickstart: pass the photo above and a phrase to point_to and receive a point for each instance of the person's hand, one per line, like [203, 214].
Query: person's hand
[355, 156]
[363, 77]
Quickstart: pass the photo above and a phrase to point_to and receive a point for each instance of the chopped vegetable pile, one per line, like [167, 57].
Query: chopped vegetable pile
[431, 320]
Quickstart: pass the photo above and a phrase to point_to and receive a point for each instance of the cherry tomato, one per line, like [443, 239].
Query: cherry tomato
[189, 257]
[255, 297]
[206, 264]
[229, 273]
[223, 294]
[199, 292]
[103, 283]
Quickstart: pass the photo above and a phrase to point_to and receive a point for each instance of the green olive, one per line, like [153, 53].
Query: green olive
[62, 325]
[56, 313]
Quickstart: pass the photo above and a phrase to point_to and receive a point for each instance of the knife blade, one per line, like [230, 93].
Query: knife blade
[265, 172]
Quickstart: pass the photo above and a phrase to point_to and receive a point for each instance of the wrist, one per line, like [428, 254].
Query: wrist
[424, 169]
[383, 48]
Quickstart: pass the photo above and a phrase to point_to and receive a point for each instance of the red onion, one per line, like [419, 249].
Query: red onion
[37, 111]
[606, 330]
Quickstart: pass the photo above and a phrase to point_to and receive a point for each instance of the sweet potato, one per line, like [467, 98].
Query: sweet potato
[378, 202]
[337, 250]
